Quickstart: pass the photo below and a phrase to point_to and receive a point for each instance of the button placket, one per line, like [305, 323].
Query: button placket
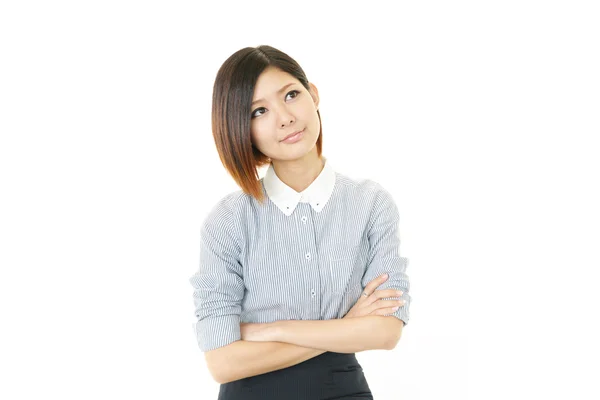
[307, 256]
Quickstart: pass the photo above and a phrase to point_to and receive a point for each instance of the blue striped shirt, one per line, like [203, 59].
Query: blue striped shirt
[298, 256]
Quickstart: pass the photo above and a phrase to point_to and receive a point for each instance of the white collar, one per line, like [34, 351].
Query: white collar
[286, 198]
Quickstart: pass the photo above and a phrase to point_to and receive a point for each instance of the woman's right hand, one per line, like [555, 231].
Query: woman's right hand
[372, 305]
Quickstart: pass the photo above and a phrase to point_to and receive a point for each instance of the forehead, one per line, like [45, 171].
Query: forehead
[271, 80]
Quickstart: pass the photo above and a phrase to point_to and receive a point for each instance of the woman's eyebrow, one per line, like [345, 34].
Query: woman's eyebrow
[279, 91]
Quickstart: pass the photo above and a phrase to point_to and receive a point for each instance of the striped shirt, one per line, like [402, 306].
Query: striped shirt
[298, 256]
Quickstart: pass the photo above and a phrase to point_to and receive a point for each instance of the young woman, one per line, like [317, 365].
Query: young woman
[285, 293]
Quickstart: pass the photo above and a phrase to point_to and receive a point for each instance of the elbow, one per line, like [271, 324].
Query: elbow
[392, 342]
[394, 334]
[217, 378]
[216, 363]
[213, 366]
[220, 377]
[221, 363]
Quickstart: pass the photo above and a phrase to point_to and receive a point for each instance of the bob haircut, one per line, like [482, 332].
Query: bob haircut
[231, 112]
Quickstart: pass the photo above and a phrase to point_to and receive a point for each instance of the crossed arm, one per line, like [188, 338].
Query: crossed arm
[286, 343]
[348, 335]
[281, 344]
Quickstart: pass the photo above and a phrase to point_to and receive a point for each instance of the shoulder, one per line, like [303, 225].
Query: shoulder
[372, 196]
[364, 190]
[225, 213]
[225, 207]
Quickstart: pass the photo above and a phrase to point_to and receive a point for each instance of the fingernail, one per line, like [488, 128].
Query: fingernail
[385, 276]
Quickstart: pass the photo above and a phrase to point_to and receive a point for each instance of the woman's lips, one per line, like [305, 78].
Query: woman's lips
[294, 138]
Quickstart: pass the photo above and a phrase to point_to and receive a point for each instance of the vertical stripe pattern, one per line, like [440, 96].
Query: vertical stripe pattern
[259, 265]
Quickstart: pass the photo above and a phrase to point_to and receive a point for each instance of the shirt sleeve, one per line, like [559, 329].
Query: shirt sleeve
[384, 252]
[218, 283]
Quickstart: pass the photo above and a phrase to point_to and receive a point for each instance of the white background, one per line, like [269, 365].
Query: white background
[480, 117]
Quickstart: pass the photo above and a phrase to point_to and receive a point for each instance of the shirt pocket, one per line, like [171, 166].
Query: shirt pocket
[341, 267]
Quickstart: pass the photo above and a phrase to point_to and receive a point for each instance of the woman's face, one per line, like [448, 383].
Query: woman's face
[279, 110]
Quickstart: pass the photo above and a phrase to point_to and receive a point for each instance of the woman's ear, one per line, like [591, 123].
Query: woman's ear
[314, 94]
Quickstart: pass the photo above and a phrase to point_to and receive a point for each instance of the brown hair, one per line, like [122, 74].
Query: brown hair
[231, 112]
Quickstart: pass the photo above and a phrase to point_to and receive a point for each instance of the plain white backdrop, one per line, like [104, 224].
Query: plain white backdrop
[481, 118]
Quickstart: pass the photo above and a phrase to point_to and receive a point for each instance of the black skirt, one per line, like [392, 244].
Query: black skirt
[327, 376]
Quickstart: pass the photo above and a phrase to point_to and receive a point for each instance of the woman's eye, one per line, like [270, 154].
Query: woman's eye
[296, 92]
[258, 109]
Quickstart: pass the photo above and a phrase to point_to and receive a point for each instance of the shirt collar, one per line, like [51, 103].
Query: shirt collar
[286, 198]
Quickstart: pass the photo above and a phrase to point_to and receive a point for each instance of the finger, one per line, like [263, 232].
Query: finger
[371, 286]
[385, 311]
[382, 304]
[382, 294]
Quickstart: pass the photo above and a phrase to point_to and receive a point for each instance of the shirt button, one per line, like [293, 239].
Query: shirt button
[307, 256]
[304, 219]
[312, 292]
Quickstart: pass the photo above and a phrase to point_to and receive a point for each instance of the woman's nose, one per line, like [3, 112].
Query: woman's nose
[285, 118]
[290, 121]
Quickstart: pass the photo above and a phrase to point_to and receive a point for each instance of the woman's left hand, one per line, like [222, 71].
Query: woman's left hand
[256, 332]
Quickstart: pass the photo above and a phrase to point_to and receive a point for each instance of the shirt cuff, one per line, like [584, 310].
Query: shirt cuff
[403, 312]
[215, 332]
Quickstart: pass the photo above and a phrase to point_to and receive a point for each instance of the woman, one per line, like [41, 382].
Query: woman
[290, 262]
